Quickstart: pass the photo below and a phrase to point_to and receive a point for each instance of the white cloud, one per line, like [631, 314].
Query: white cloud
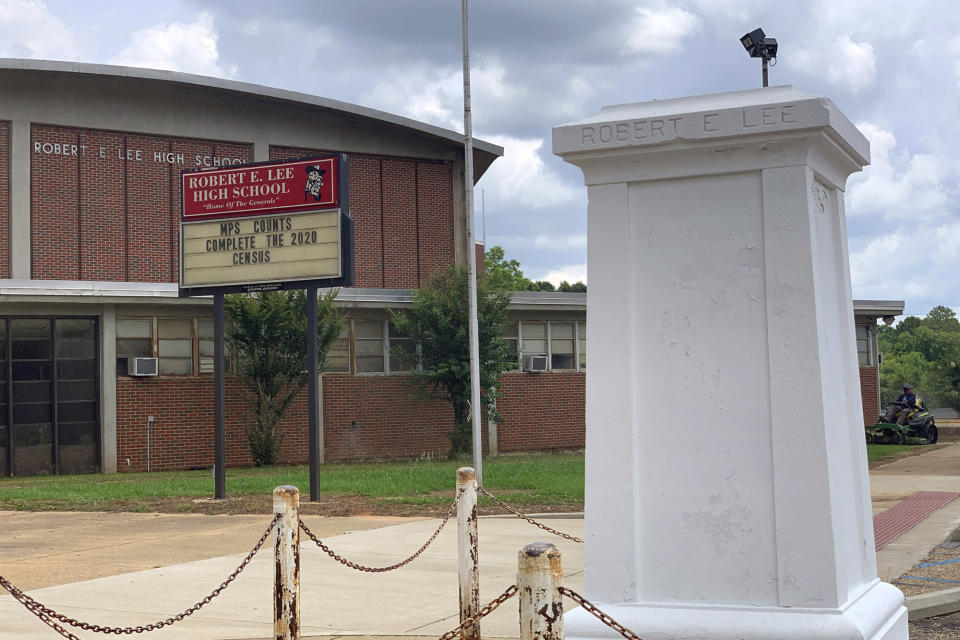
[849, 65]
[902, 265]
[740, 11]
[571, 273]
[435, 95]
[659, 31]
[520, 179]
[897, 184]
[953, 48]
[853, 64]
[176, 46]
[560, 242]
[29, 30]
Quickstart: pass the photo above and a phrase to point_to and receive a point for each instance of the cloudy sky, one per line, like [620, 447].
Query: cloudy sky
[893, 67]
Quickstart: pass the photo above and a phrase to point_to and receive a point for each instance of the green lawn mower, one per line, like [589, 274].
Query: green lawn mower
[919, 428]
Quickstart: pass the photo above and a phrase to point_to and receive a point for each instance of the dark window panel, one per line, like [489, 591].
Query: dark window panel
[78, 433]
[30, 328]
[76, 348]
[31, 392]
[73, 390]
[32, 370]
[26, 414]
[31, 349]
[76, 412]
[75, 328]
[77, 369]
[31, 435]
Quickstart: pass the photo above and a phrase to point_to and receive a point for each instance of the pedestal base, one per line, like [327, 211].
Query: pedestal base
[876, 614]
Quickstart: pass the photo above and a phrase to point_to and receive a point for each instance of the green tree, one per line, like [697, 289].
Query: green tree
[576, 287]
[942, 318]
[437, 323]
[502, 274]
[267, 333]
[925, 352]
[542, 285]
[904, 368]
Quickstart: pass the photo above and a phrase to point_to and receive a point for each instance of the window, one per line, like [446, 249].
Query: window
[176, 342]
[205, 346]
[511, 337]
[533, 337]
[338, 355]
[175, 346]
[561, 346]
[566, 339]
[582, 334]
[863, 345]
[134, 340]
[397, 365]
[368, 336]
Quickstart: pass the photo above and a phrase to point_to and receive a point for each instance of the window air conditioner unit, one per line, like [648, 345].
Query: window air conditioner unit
[534, 362]
[143, 367]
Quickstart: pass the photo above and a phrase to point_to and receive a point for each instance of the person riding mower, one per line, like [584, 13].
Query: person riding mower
[903, 423]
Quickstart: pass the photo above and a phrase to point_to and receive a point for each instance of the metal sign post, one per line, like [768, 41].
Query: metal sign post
[313, 418]
[219, 396]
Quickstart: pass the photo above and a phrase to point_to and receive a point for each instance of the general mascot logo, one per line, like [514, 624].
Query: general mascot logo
[314, 185]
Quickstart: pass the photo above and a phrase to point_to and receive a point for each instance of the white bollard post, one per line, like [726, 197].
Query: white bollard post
[469, 571]
[286, 586]
[539, 578]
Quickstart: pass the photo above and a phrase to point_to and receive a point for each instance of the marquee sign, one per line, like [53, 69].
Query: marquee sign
[300, 185]
[267, 225]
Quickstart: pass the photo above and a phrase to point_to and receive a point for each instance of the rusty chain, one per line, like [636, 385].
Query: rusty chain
[484, 611]
[47, 615]
[598, 614]
[359, 567]
[32, 608]
[528, 518]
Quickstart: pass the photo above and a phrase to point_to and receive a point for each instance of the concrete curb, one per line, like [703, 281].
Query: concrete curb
[937, 603]
[536, 516]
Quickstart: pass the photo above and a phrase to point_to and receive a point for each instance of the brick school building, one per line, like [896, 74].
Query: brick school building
[90, 162]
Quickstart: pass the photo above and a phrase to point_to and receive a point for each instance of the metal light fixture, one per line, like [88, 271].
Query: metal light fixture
[758, 45]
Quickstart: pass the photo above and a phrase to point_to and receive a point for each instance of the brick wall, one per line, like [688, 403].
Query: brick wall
[370, 417]
[4, 199]
[541, 411]
[364, 417]
[105, 208]
[182, 435]
[402, 211]
[869, 394]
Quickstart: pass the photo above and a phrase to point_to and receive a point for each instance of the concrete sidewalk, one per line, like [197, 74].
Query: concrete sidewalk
[420, 599]
[417, 600]
[937, 470]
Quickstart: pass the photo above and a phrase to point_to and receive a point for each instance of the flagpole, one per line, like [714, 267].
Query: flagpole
[471, 254]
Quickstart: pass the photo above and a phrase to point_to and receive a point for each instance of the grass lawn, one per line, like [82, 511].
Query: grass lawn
[883, 453]
[545, 481]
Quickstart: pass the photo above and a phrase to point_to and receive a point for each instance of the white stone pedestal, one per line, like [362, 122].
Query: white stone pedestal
[727, 488]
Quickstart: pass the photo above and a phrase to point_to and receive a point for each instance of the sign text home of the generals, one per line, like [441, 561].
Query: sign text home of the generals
[262, 224]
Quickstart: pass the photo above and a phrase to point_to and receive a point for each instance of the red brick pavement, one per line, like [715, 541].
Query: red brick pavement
[893, 522]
